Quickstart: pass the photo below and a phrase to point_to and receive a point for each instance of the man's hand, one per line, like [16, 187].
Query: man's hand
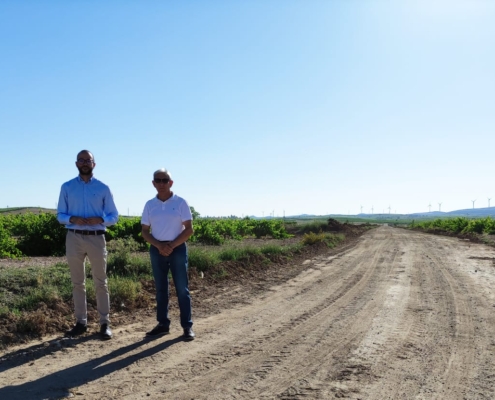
[165, 249]
[94, 221]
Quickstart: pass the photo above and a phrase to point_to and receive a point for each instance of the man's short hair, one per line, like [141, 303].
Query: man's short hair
[162, 171]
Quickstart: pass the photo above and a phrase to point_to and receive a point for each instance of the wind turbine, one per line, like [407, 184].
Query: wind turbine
[439, 206]
[361, 209]
[389, 209]
[489, 202]
[429, 207]
[473, 202]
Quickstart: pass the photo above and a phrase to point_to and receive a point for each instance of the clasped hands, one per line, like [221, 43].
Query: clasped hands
[86, 221]
[165, 249]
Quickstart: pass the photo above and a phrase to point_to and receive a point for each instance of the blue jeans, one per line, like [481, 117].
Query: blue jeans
[177, 264]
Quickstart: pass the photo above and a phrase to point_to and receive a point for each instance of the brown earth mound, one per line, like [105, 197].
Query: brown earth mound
[346, 228]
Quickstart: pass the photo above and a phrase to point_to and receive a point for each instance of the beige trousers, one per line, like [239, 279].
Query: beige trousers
[77, 248]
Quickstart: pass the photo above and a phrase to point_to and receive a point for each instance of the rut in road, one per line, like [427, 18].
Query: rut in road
[402, 315]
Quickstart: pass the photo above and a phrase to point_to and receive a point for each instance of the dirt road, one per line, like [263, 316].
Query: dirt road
[401, 315]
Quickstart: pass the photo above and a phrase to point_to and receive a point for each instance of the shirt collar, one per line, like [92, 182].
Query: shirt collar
[161, 202]
[79, 179]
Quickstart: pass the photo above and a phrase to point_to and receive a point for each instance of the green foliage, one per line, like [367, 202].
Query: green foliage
[24, 288]
[334, 239]
[203, 259]
[42, 235]
[194, 213]
[312, 238]
[124, 292]
[216, 231]
[273, 227]
[47, 294]
[329, 239]
[459, 225]
[127, 227]
[8, 245]
[38, 234]
[313, 226]
[124, 261]
[489, 227]
[274, 250]
[238, 254]
[206, 231]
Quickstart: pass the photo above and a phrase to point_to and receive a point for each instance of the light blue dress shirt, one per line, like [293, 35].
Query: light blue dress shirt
[91, 199]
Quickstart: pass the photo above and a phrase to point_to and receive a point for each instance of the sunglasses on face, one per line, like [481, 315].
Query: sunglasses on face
[159, 180]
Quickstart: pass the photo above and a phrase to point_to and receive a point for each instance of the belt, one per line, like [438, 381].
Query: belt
[92, 233]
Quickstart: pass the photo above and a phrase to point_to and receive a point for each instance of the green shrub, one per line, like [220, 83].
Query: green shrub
[314, 226]
[127, 227]
[25, 288]
[123, 260]
[8, 245]
[273, 228]
[124, 292]
[329, 239]
[312, 238]
[236, 254]
[202, 259]
[47, 294]
[40, 235]
[459, 225]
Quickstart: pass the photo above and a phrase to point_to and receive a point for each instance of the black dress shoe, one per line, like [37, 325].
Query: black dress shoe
[105, 332]
[158, 331]
[77, 330]
[188, 334]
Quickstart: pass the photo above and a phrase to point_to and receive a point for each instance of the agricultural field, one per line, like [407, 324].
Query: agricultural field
[36, 291]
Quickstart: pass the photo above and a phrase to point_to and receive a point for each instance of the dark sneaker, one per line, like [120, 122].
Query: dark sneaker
[189, 334]
[158, 331]
[105, 332]
[77, 330]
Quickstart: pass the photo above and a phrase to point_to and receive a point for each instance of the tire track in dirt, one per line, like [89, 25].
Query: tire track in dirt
[431, 353]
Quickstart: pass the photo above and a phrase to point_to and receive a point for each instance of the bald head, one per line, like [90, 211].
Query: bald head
[85, 153]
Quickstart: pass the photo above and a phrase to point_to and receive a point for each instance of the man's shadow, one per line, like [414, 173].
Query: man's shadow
[27, 355]
[59, 383]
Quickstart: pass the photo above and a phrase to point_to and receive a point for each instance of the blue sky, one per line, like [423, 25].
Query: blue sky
[256, 107]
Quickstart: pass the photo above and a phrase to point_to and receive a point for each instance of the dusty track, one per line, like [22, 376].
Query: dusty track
[401, 315]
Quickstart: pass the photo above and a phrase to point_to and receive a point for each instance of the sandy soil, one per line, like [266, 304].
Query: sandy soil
[399, 315]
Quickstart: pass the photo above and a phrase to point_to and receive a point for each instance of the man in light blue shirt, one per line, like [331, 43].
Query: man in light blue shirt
[86, 208]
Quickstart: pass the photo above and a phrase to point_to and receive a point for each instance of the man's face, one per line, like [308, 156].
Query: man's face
[162, 183]
[85, 163]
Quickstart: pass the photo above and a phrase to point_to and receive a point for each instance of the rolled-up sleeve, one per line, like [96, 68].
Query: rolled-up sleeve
[63, 215]
[111, 215]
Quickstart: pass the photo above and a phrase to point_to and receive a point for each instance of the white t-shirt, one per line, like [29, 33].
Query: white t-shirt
[166, 217]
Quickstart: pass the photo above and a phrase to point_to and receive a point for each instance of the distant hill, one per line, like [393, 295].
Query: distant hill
[23, 210]
[467, 212]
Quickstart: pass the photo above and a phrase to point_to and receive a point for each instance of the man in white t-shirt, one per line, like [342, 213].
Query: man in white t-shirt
[166, 225]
